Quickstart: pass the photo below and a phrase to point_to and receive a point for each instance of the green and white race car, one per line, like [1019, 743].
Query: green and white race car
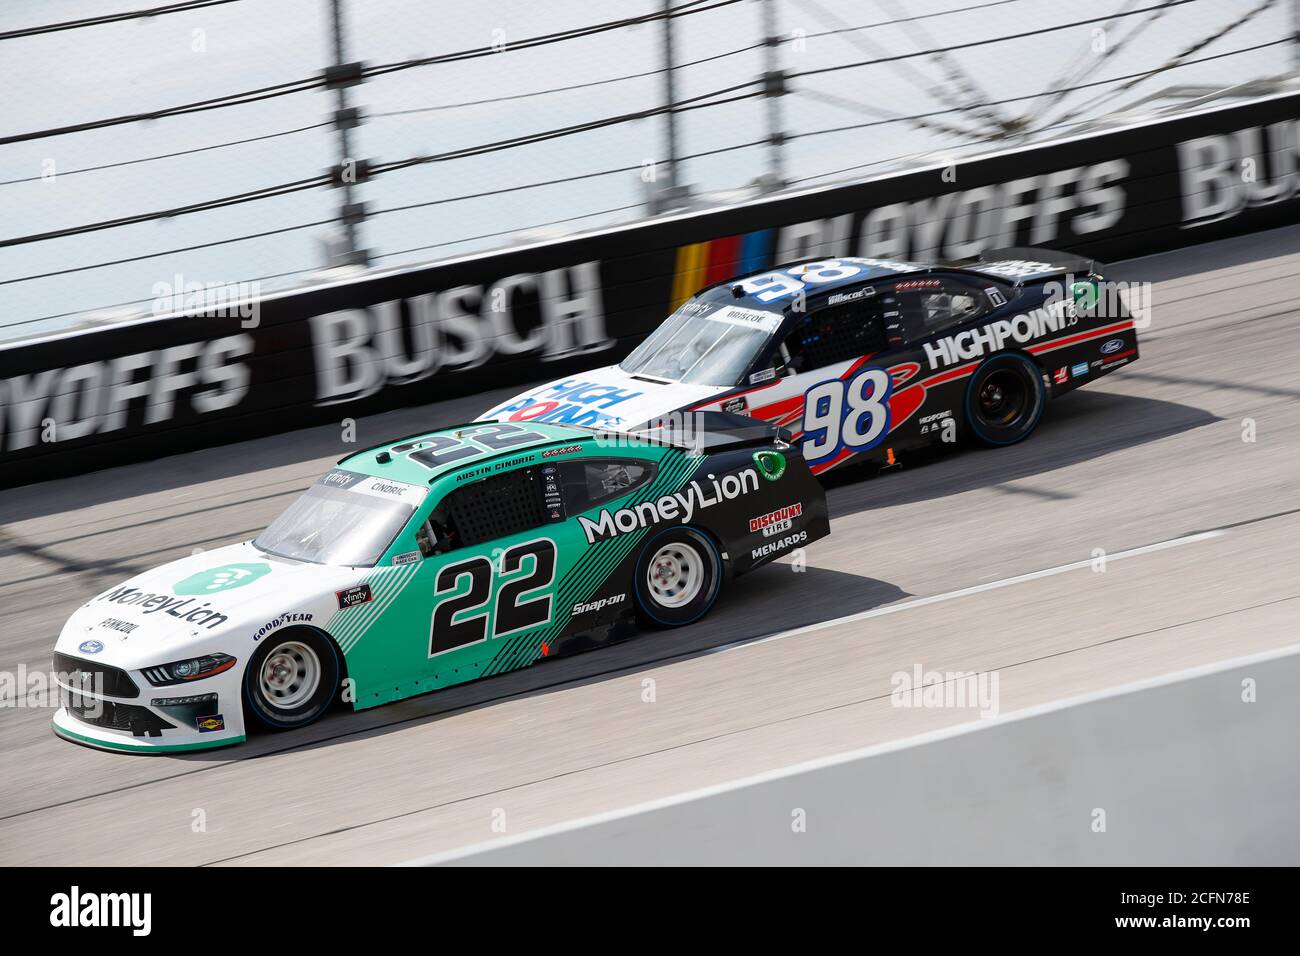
[428, 562]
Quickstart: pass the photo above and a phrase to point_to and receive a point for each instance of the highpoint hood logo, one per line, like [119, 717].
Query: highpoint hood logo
[221, 579]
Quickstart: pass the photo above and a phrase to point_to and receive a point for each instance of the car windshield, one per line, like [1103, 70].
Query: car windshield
[703, 343]
[343, 519]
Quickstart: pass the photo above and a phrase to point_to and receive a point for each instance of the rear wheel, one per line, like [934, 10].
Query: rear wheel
[291, 680]
[1005, 400]
[678, 577]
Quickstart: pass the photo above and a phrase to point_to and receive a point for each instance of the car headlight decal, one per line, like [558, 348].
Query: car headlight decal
[188, 669]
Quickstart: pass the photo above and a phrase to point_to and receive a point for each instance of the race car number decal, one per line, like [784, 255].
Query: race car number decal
[510, 612]
[439, 450]
[771, 286]
[852, 414]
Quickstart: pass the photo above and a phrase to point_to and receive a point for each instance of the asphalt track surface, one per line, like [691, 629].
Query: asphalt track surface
[976, 561]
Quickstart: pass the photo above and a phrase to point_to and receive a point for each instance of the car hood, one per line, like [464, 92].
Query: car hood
[606, 398]
[197, 604]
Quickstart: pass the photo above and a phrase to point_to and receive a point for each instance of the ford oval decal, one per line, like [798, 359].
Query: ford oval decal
[90, 647]
[1112, 346]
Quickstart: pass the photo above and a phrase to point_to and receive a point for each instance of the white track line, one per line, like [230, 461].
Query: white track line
[966, 592]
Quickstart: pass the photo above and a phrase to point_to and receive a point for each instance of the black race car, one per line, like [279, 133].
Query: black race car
[866, 359]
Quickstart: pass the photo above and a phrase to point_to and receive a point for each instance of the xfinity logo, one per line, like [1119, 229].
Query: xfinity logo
[73, 909]
[681, 504]
[359, 351]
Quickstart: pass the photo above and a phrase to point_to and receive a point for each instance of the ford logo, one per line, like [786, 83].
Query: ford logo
[1112, 346]
[91, 647]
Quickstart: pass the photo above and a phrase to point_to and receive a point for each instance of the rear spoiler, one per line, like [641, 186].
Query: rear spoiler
[1021, 264]
[712, 431]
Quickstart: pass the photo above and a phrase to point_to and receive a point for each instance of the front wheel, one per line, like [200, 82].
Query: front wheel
[291, 679]
[1005, 399]
[678, 577]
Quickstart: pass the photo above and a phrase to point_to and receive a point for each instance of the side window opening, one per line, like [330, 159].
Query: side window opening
[596, 480]
[835, 334]
[920, 307]
[488, 508]
[518, 501]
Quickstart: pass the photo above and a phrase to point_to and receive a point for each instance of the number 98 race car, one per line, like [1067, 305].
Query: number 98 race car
[427, 562]
[865, 359]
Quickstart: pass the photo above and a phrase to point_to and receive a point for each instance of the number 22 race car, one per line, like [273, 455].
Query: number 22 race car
[427, 562]
[865, 359]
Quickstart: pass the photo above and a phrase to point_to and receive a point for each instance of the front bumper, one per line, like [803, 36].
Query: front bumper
[199, 716]
[70, 728]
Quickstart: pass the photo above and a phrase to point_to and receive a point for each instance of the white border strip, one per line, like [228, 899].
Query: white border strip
[834, 760]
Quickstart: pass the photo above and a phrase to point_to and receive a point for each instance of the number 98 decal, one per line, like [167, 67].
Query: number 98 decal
[840, 414]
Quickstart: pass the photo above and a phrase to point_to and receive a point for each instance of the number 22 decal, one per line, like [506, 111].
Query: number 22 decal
[469, 442]
[511, 614]
[852, 414]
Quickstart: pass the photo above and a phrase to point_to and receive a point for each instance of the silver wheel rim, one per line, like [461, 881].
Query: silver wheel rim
[290, 675]
[675, 575]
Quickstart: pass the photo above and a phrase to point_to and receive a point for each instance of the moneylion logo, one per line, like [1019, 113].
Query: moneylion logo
[221, 579]
[678, 505]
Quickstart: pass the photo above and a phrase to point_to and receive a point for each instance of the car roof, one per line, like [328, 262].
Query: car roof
[870, 270]
[399, 466]
[1015, 266]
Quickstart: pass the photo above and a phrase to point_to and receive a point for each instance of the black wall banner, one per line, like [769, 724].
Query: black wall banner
[78, 401]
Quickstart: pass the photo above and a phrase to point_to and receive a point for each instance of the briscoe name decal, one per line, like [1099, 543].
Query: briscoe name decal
[776, 521]
[680, 504]
[972, 343]
[176, 607]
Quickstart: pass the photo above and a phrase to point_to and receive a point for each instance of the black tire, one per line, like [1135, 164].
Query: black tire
[292, 700]
[1005, 400]
[678, 577]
